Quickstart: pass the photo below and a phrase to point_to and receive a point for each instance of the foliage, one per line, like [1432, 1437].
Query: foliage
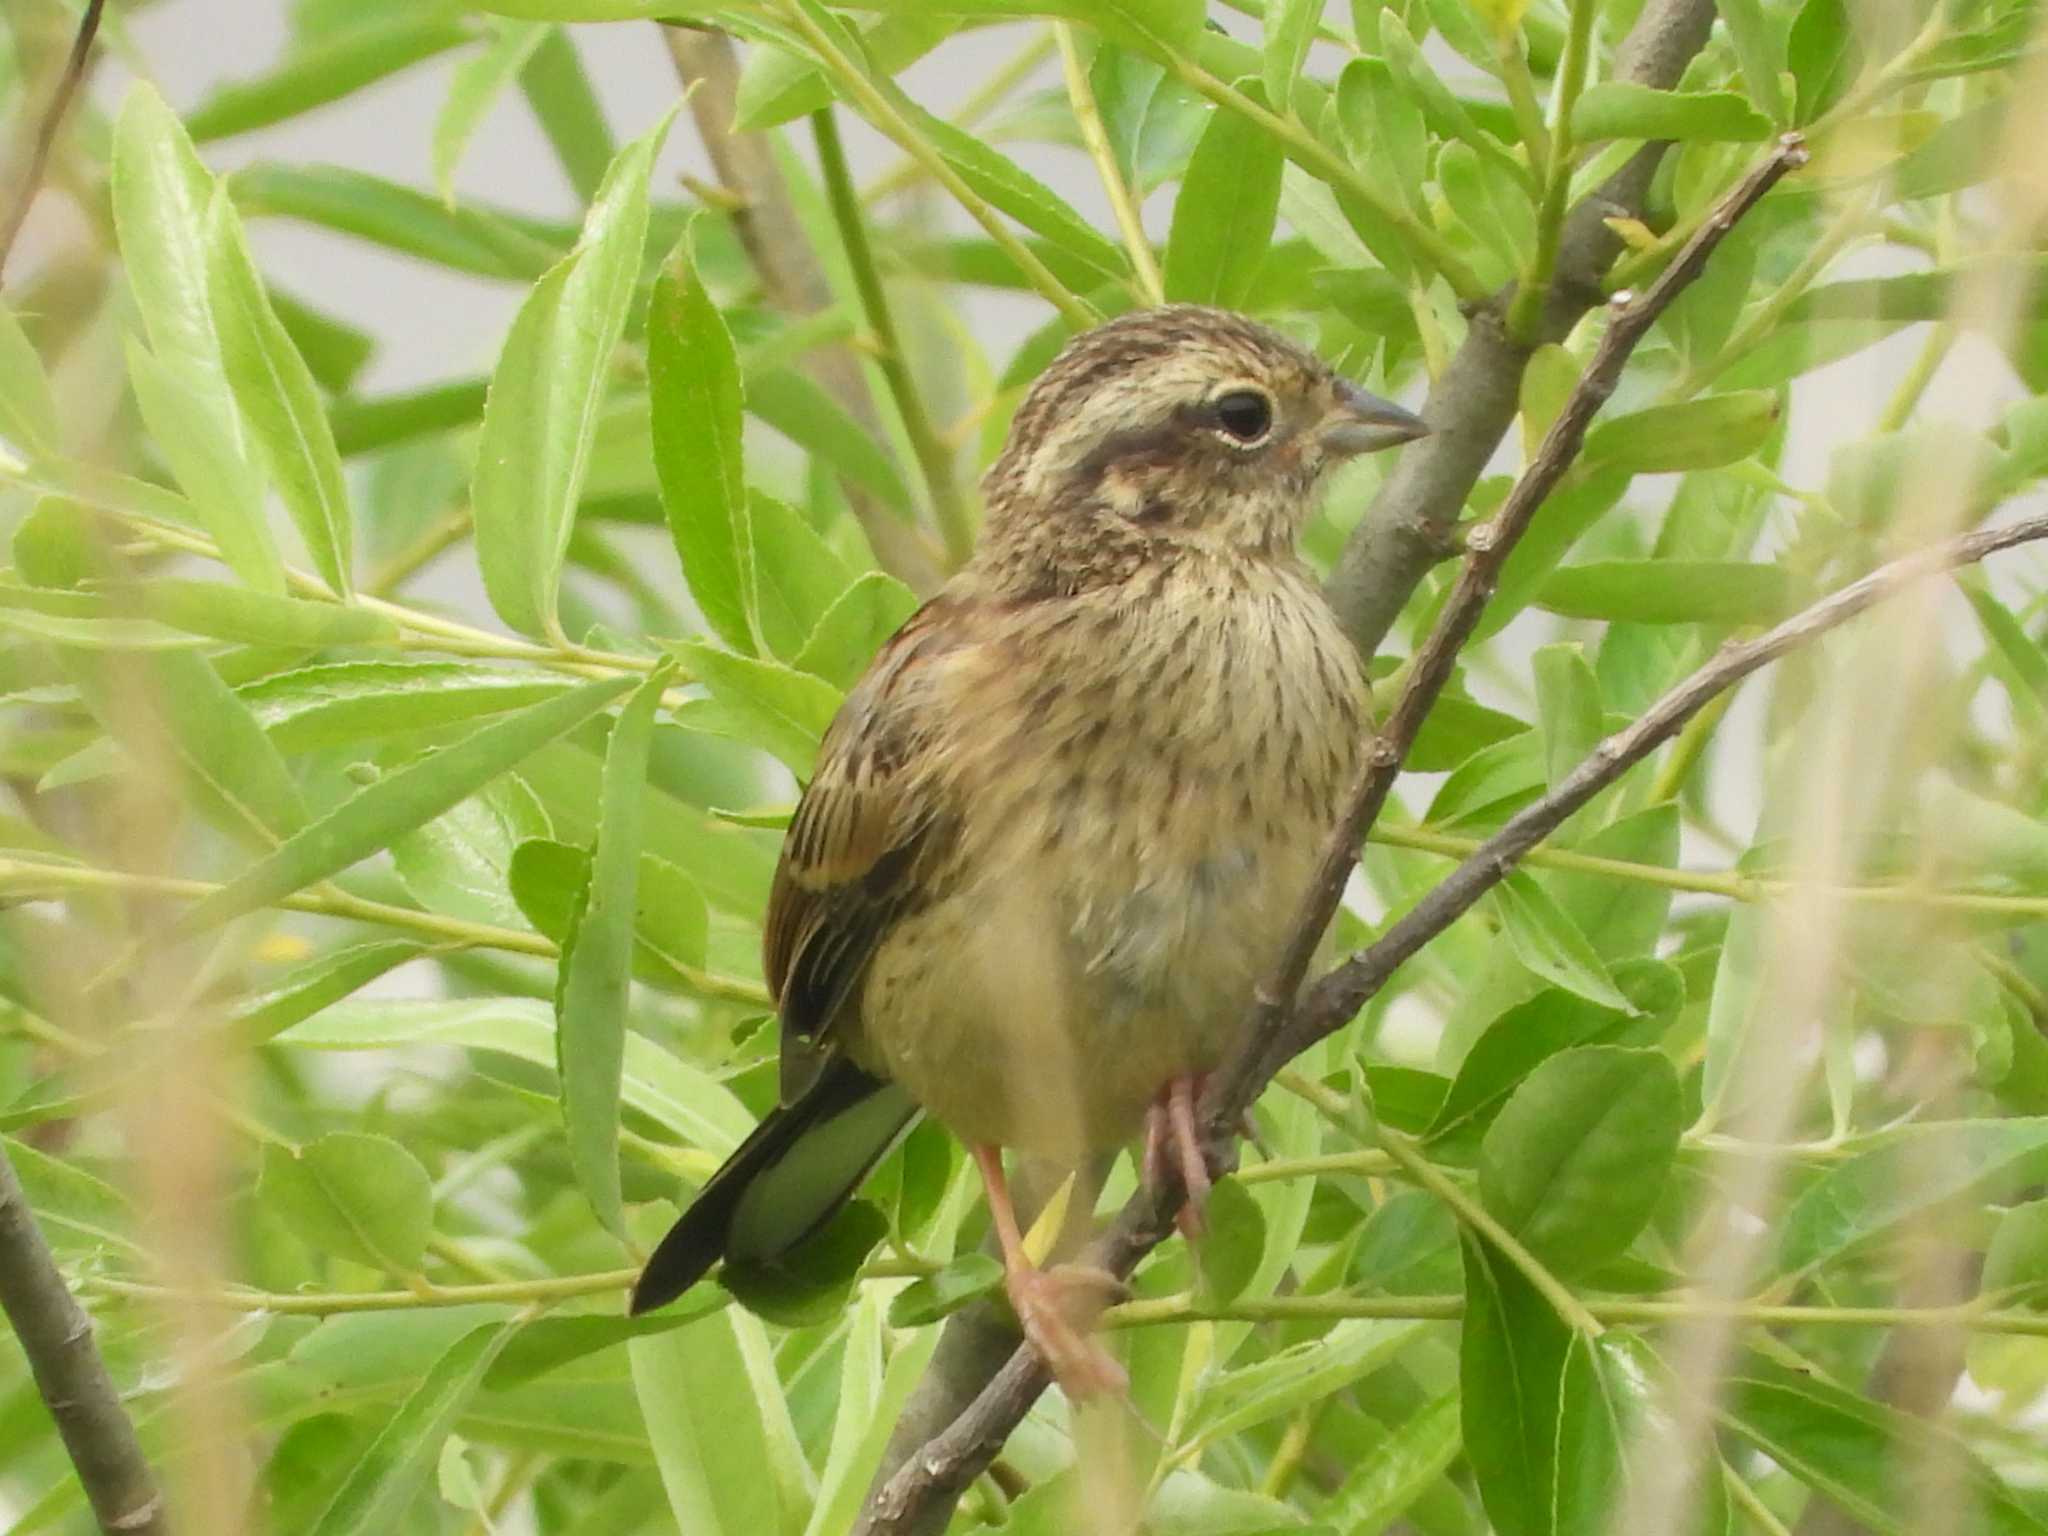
[380, 971]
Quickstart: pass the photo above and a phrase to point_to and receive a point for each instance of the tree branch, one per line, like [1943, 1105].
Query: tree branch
[57, 1337]
[53, 119]
[915, 1498]
[1407, 529]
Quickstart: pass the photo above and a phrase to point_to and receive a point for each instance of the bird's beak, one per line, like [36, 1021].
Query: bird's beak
[1364, 423]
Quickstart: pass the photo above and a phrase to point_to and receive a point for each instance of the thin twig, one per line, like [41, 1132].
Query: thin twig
[934, 459]
[57, 1337]
[53, 119]
[1088, 118]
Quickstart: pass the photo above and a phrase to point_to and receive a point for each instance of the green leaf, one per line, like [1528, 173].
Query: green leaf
[777, 708]
[1223, 218]
[1616, 109]
[1290, 29]
[460, 862]
[339, 703]
[1823, 56]
[803, 412]
[693, 379]
[1864, 1457]
[318, 984]
[1575, 1161]
[1541, 1427]
[1758, 52]
[1912, 1171]
[75, 1209]
[1397, 1471]
[1621, 918]
[334, 350]
[327, 71]
[245, 616]
[380, 1489]
[28, 411]
[202, 449]
[797, 577]
[1234, 1400]
[1232, 1244]
[1691, 434]
[811, 1283]
[1008, 187]
[966, 1278]
[229, 762]
[547, 394]
[553, 1342]
[590, 996]
[1549, 943]
[415, 794]
[1568, 713]
[1157, 26]
[852, 630]
[705, 1424]
[676, 1094]
[1669, 591]
[412, 223]
[474, 87]
[1978, 833]
[363, 1198]
[777, 87]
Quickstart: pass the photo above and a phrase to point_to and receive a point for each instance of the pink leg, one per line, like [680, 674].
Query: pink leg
[1194, 1166]
[1054, 1306]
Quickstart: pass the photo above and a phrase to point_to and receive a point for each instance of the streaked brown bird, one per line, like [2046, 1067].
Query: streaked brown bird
[1060, 828]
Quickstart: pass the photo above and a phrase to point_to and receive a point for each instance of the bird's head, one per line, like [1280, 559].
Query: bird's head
[1182, 424]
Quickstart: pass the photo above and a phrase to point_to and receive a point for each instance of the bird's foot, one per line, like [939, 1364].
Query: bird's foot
[1057, 1309]
[1171, 1134]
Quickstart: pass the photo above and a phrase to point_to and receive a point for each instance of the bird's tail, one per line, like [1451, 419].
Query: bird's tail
[797, 1168]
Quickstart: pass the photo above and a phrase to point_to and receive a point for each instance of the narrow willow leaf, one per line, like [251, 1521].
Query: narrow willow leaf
[231, 765]
[693, 378]
[547, 394]
[380, 1489]
[474, 86]
[1568, 713]
[559, 91]
[416, 793]
[402, 219]
[327, 71]
[334, 350]
[1395, 1473]
[1016, 192]
[1540, 1427]
[460, 863]
[705, 1426]
[1577, 1158]
[1914, 1170]
[352, 701]
[75, 1209]
[1692, 434]
[689, 1101]
[1616, 109]
[777, 87]
[1300, 1374]
[1223, 218]
[1549, 943]
[553, 1342]
[848, 634]
[803, 412]
[590, 996]
[316, 985]
[28, 412]
[248, 617]
[776, 708]
[1669, 591]
[1290, 28]
[202, 448]
[797, 577]
[278, 398]
[357, 1197]
[1758, 51]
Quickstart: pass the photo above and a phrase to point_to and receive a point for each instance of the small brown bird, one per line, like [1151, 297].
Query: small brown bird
[1060, 828]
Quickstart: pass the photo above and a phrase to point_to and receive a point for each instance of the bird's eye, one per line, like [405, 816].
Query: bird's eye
[1245, 414]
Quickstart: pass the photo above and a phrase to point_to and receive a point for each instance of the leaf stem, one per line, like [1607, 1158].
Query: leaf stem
[876, 105]
[1433, 1179]
[32, 877]
[987, 96]
[1088, 118]
[1525, 313]
[445, 533]
[934, 459]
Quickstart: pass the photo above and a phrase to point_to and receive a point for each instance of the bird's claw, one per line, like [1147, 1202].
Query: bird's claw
[1056, 1308]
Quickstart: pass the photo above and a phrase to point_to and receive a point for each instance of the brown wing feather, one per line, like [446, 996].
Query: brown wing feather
[863, 832]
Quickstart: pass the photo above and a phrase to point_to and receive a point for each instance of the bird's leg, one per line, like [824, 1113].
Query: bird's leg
[1054, 1306]
[1171, 1132]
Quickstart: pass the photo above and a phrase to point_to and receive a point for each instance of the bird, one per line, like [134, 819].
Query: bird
[1058, 832]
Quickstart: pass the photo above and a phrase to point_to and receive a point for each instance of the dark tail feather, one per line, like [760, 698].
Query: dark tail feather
[798, 1167]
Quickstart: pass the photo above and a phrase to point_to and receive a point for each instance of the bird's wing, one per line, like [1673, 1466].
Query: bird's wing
[866, 829]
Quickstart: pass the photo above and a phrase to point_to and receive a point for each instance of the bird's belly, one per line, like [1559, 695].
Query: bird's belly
[1069, 999]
